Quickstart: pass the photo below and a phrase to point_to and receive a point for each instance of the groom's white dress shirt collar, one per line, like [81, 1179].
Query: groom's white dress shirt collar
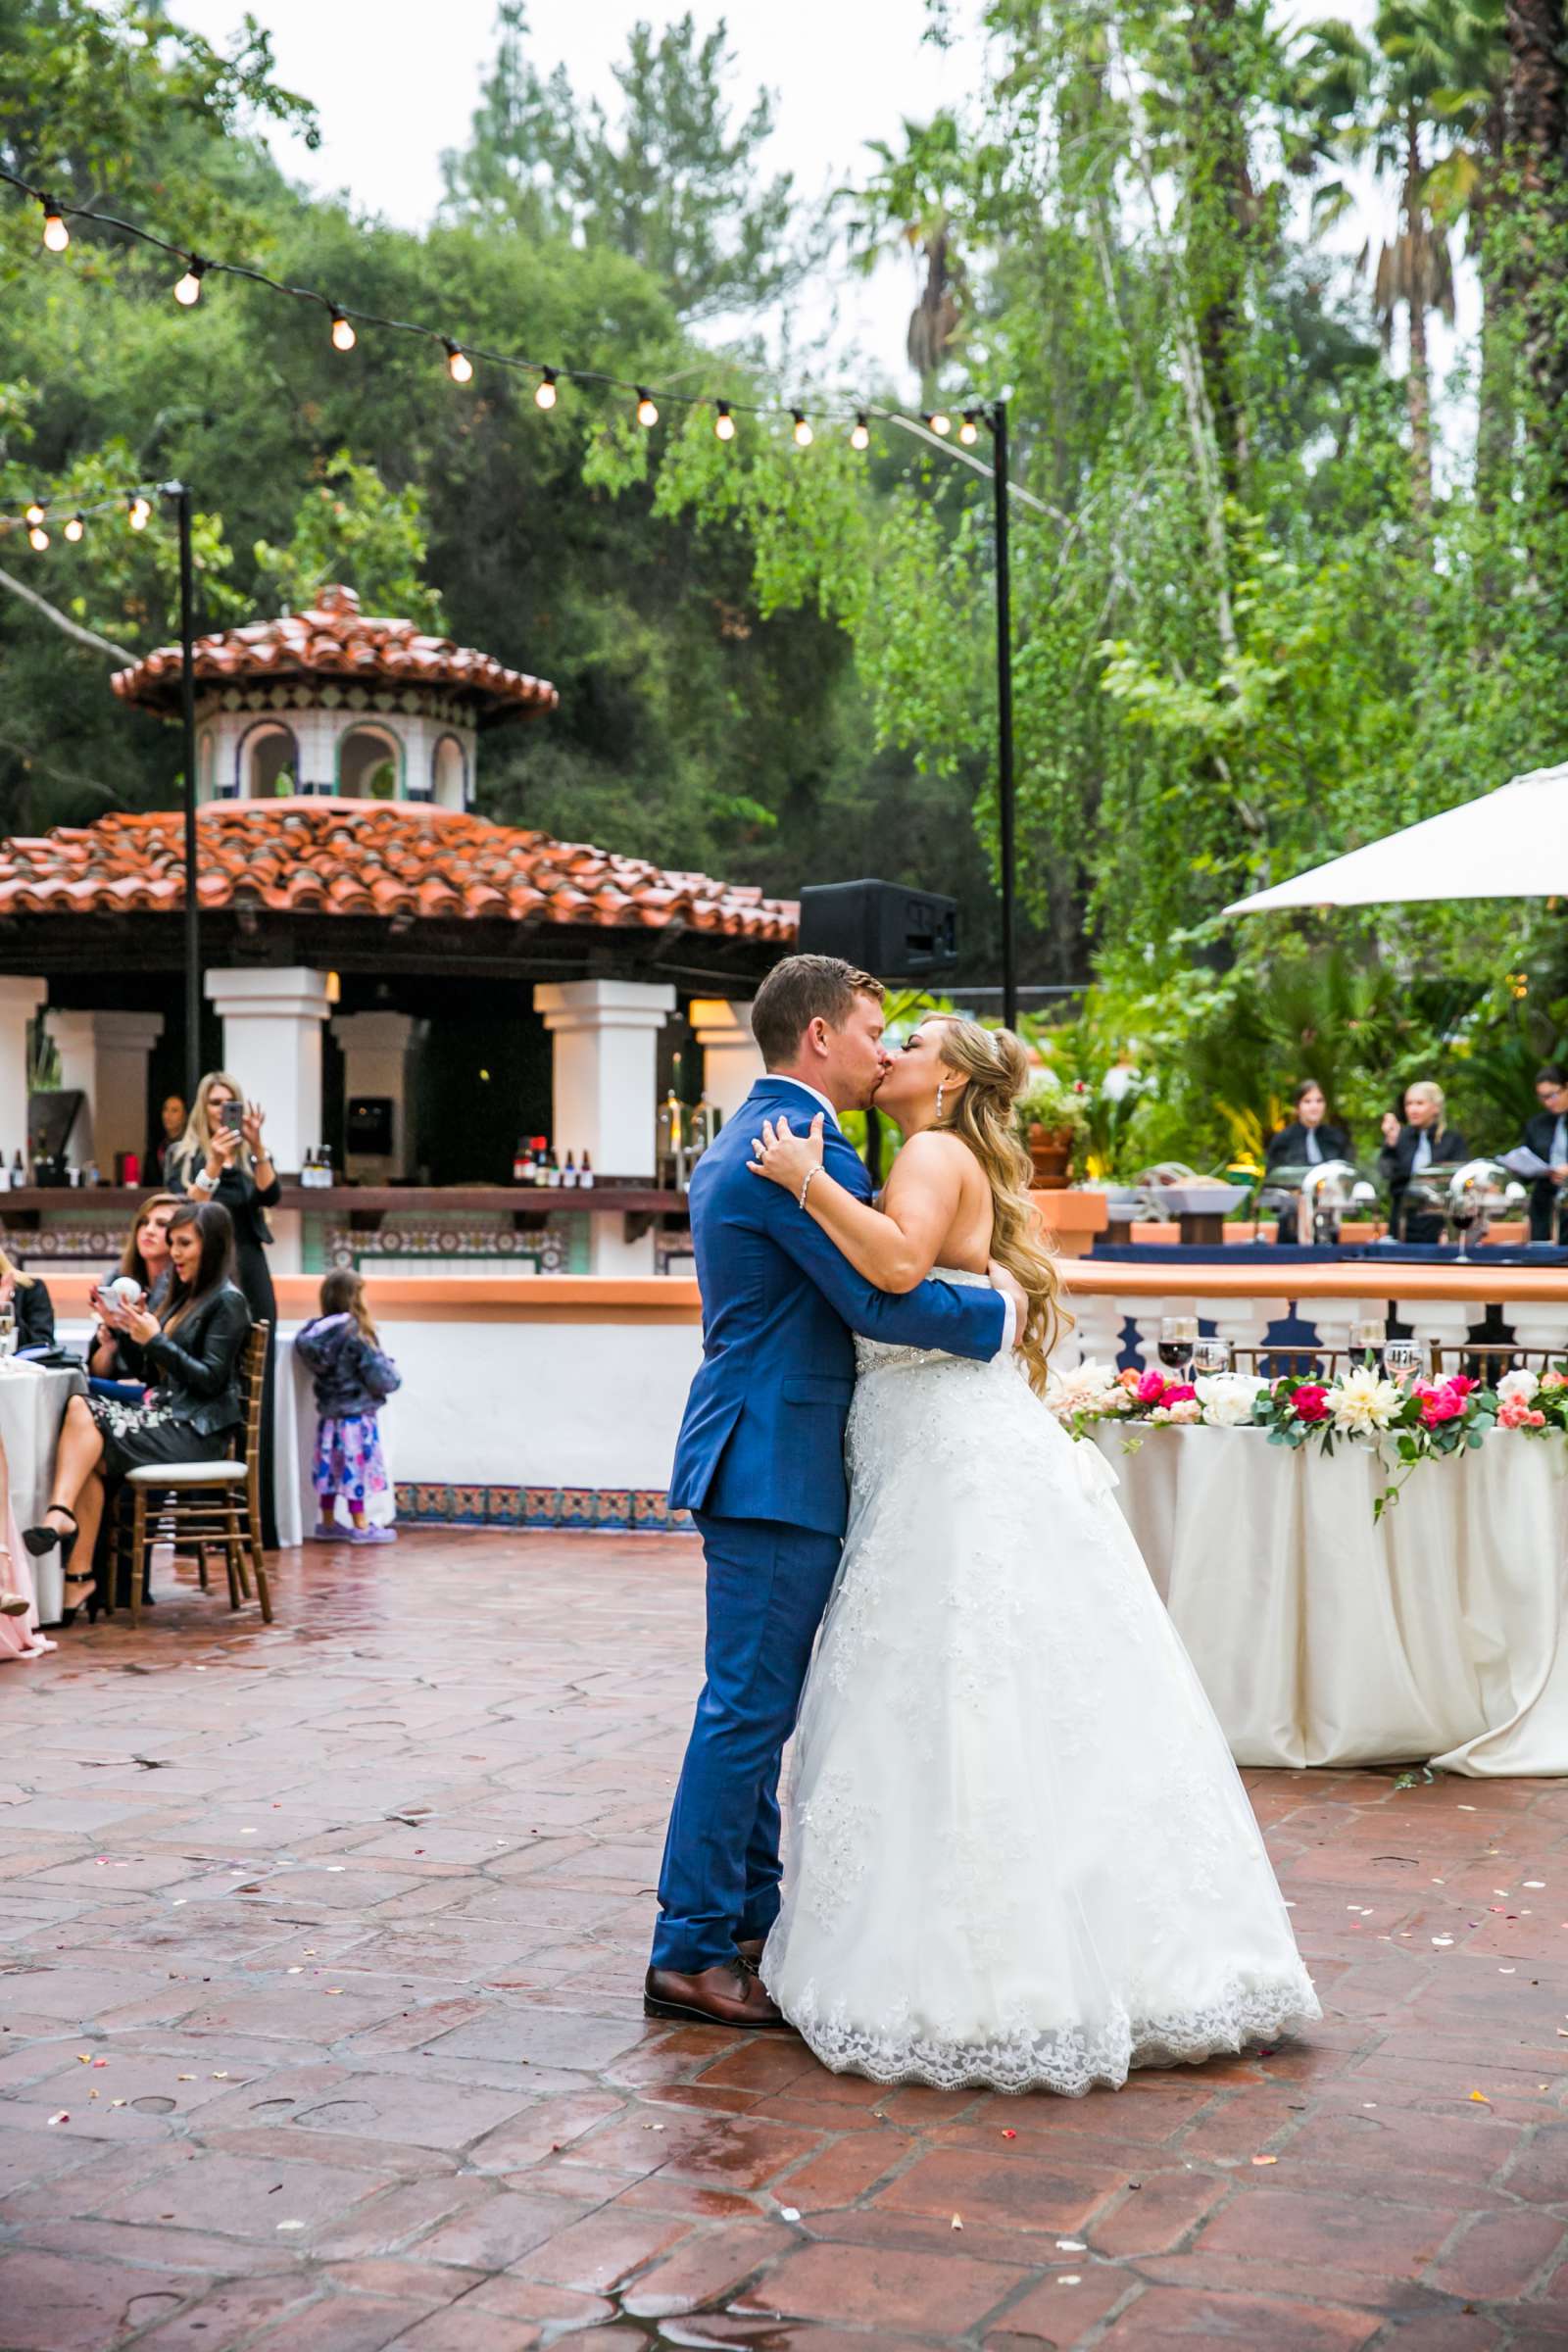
[783, 1078]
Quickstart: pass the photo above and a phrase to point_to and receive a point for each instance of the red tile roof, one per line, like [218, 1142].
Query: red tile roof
[338, 643]
[370, 857]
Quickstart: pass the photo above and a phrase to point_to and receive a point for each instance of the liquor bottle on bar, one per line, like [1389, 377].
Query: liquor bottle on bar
[522, 1163]
[585, 1175]
[551, 1170]
[569, 1174]
[541, 1174]
[19, 1174]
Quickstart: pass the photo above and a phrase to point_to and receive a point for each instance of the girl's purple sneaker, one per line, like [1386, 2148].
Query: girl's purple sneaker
[374, 1535]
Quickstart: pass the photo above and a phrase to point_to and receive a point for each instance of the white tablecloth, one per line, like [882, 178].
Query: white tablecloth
[1323, 1637]
[32, 1404]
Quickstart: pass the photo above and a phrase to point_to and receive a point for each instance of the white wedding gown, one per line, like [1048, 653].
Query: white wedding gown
[1018, 1851]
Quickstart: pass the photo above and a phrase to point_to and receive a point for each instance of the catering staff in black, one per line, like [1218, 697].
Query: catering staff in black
[1546, 1135]
[1423, 1142]
[1306, 1140]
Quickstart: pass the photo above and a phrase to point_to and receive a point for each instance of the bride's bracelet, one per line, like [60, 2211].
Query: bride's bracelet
[806, 1185]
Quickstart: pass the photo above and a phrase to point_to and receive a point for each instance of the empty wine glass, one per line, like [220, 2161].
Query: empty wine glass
[1367, 1338]
[1401, 1360]
[1210, 1356]
[1177, 1337]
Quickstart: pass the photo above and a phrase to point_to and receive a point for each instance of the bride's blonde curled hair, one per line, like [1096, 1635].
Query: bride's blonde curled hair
[983, 1114]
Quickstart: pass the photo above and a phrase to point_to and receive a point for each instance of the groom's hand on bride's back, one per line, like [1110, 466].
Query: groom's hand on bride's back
[1011, 1288]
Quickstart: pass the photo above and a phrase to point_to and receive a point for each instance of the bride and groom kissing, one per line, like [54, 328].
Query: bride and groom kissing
[1020, 1854]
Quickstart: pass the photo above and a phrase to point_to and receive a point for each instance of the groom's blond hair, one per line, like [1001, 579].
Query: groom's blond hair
[801, 990]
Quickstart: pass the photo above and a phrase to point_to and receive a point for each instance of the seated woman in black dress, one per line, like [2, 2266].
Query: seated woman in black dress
[1310, 1137]
[190, 1354]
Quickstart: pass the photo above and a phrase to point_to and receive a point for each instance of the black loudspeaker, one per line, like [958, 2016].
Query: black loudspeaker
[890, 931]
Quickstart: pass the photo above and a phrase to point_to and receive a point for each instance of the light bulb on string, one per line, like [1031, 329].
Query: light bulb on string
[188, 292]
[343, 336]
[724, 422]
[861, 436]
[802, 433]
[34, 513]
[37, 538]
[75, 528]
[968, 430]
[459, 364]
[545, 397]
[647, 409]
[141, 514]
[939, 422]
[56, 235]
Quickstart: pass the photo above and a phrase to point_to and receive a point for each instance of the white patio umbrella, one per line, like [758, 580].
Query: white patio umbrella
[1509, 844]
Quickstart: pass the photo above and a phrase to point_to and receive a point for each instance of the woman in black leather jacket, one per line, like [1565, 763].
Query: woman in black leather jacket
[191, 1353]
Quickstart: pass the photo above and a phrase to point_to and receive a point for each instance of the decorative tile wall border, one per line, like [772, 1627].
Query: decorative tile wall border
[640, 1510]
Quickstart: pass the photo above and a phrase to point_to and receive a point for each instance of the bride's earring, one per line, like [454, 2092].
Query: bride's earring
[941, 1088]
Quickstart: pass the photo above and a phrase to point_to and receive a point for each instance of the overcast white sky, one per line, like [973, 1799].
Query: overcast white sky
[396, 81]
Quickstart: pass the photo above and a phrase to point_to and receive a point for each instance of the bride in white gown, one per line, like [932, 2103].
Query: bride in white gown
[1018, 1851]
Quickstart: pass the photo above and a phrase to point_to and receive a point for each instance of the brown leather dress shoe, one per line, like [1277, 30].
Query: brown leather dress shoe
[727, 1994]
[751, 1951]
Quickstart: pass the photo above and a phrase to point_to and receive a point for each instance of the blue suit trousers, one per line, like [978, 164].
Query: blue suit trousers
[768, 1587]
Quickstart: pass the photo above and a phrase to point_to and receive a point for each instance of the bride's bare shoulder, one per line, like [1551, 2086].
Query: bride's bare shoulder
[932, 1156]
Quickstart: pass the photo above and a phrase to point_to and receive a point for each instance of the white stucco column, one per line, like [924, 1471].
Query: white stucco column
[378, 1053]
[273, 1044]
[732, 1061]
[106, 1054]
[604, 1080]
[19, 1001]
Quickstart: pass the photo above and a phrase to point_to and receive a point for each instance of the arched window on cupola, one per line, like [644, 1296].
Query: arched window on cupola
[448, 773]
[370, 763]
[267, 764]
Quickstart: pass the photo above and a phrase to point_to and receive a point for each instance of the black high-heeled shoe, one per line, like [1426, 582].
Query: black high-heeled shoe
[44, 1539]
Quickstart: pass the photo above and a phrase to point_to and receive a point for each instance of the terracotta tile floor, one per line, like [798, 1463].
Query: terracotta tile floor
[323, 2029]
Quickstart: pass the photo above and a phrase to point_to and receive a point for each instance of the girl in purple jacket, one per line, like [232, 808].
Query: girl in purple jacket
[341, 1350]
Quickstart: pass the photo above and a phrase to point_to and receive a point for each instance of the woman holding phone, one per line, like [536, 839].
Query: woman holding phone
[190, 1356]
[223, 1157]
[145, 1262]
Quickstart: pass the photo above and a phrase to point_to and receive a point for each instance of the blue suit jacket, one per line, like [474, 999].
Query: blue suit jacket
[762, 1436]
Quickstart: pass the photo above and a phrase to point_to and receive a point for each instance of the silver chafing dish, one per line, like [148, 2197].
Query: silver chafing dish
[1320, 1196]
[1467, 1194]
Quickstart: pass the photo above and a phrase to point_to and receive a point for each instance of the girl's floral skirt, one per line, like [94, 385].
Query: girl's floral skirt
[348, 1458]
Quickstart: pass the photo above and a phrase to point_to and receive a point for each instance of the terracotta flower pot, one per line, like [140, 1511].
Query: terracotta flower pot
[1050, 1150]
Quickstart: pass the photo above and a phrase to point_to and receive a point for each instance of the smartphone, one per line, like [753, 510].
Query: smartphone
[232, 1116]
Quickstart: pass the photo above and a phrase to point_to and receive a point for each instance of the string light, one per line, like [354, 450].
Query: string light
[140, 512]
[34, 513]
[75, 528]
[38, 538]
[461, 362]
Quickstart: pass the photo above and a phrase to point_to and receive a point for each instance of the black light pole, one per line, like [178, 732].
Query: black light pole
[179, 492]
[1005, 785]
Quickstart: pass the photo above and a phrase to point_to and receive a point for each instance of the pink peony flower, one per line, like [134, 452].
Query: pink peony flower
[1309, 1403]
[1180, 1392]
[1151, 1389]
[1446, 1403]
[1554, 1380]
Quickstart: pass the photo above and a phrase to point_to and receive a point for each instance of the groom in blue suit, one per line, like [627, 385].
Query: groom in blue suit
[760, 1464]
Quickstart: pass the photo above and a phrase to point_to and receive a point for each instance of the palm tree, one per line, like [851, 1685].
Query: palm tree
[1415, 100]
[916, 195]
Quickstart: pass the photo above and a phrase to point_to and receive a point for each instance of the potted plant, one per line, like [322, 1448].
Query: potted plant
[1053, 1120]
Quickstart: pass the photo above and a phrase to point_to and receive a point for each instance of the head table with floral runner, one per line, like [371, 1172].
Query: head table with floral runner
[1363, 1569]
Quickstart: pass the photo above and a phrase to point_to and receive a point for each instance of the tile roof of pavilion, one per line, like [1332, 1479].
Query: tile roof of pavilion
[338, 644]
[370, 857]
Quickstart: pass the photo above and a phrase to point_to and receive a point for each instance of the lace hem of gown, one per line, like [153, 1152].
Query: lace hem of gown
[1069, 2061]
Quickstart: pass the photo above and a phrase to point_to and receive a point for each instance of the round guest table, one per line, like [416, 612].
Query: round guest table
[32, 1404]
[1438, 1634]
